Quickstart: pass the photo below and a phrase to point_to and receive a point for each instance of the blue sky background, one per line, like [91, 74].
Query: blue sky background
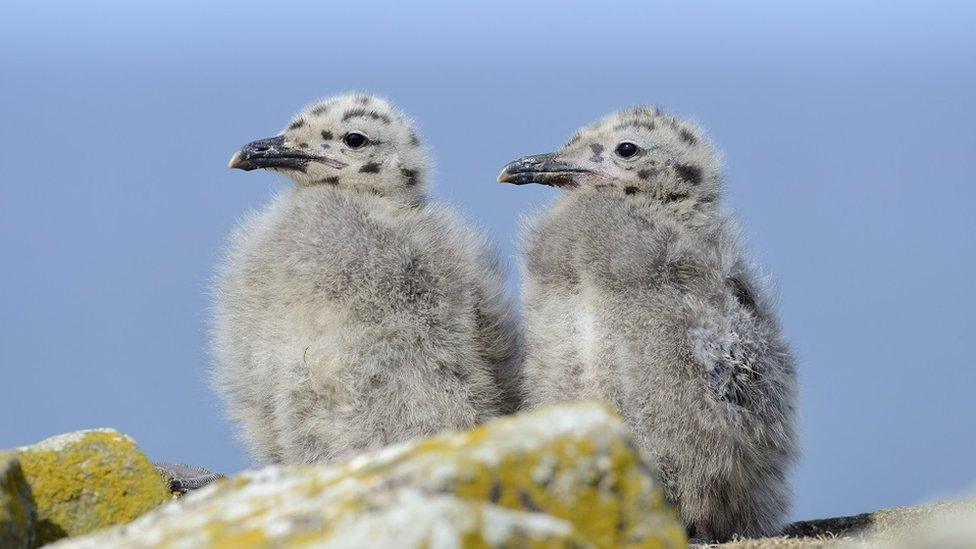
[849, 130]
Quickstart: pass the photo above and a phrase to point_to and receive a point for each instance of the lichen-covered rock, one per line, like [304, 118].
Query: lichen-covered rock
[412, 518]
[87, 480]
[16, 509]
[562, 476]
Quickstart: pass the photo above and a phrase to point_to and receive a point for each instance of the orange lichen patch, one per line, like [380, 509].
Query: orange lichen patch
[88, 480]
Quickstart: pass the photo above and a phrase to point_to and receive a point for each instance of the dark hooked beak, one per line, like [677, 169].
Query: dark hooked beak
[542, 169]
[272, 153]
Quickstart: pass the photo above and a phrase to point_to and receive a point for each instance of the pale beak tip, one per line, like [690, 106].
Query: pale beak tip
[235, 161]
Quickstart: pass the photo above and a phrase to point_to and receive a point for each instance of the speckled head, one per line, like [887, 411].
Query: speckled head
[354, 141]
[640, 151]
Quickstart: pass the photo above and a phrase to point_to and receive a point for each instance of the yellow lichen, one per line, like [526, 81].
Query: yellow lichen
[89, 480]
[613, 504]
[607, 506]
[228, 538]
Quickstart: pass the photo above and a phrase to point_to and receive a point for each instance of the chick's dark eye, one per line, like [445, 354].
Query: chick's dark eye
[626, 149]
[355, 140]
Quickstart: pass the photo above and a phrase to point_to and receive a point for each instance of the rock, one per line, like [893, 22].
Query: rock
[87, 480]
[948, 525]
[16, 510]
[562, 476]
[783, 542]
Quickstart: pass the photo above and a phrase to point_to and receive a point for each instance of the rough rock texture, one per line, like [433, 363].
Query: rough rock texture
[949, 525]
[87, 480]
[562, 476]
[16, 510]
[567, 476]
[946, 525]
[825, 542]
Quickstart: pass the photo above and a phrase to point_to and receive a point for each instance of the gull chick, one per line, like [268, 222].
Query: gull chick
[351, 312]
[637, 291]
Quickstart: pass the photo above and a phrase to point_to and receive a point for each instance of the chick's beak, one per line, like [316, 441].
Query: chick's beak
[272, 153]
[543, 169]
